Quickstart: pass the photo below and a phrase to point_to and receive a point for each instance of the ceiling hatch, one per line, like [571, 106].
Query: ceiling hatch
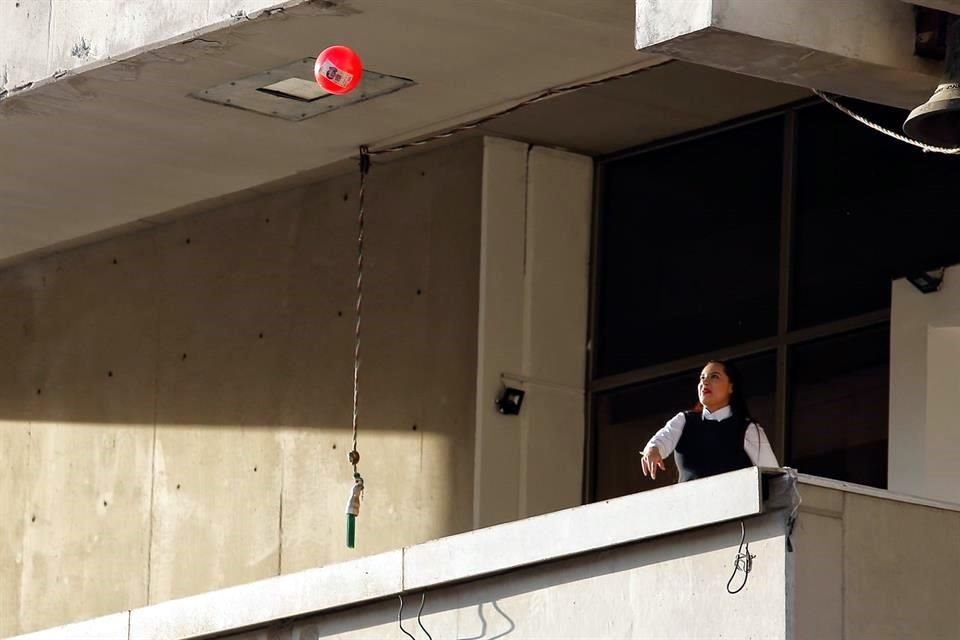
[290, 92]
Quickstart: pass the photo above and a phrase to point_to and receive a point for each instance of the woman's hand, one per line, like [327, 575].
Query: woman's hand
[651, 461]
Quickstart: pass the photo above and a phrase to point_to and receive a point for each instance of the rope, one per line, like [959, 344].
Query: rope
[884, 130]
[356, 492]
[354, 455]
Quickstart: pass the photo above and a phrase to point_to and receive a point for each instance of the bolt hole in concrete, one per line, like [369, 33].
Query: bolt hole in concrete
[178, 487]
[33, 518]
[104, 503]
[183, 357]
[414, 427]
[188, 241]
[261, 335]
[419, 292]
[254, 469]
[109, 374]
[115, 261]
[38, 392]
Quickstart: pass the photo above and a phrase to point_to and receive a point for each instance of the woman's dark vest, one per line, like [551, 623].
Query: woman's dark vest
[710, 447]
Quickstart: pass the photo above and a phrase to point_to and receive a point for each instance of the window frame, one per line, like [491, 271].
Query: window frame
[781, 343]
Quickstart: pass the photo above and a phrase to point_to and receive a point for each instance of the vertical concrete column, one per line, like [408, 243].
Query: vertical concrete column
[924, 384]
[534, 274]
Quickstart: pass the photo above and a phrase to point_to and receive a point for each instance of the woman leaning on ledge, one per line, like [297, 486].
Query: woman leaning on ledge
[718, 438]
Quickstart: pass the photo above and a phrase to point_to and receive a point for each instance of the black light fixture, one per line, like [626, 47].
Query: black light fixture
[937, 121]
[509, 401]
[926, 282]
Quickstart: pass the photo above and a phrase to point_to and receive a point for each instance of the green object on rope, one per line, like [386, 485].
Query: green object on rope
[351, 530]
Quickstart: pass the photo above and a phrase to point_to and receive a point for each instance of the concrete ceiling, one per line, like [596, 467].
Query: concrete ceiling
[122, 144]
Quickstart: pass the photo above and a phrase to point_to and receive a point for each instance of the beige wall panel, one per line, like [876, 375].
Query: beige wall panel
[818, 604]
[418, 359]
[223, 329]
[559, 211]
[23, 367]
[96, 334]
[14, 487]
[20, 369]
[554, 469]
[900, 566]
[450, 365]
[498, 458]
[90, 453]
[826, 501]
[86, 538]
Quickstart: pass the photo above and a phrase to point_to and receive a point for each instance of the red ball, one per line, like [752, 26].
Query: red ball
[338, 69]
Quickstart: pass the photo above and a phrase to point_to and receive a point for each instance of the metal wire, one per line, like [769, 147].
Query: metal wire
[423, 599]
[400, 619]
[743, 562]
[543, 95]
[884, 130]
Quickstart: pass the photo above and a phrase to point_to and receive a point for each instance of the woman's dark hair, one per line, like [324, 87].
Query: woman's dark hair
[738, 402]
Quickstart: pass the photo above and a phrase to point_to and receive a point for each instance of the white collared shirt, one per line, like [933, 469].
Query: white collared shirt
[755, 442]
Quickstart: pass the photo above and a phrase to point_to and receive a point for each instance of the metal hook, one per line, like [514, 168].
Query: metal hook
[364, 159]
[423, 599]
[400, 618]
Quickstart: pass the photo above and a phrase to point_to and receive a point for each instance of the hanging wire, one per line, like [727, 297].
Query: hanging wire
[354, 455]
[743, 562]
[356, 492]
[884, 130]
[797, 501]
[543, 95]
[423, 599]
[400, 619]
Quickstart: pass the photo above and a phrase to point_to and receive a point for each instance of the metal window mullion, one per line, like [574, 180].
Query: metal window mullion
[787, 200]
[754, 347]
[588, 483]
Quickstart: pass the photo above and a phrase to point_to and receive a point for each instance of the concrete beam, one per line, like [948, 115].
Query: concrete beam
[950, 6]
[858, 48]
[45, 40]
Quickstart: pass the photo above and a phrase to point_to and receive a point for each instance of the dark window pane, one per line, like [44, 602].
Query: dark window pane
[627, 418]
[690, 245]
[869, 209]
[838, 408]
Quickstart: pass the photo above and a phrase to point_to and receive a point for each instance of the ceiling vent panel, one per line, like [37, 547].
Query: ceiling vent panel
[290, 92]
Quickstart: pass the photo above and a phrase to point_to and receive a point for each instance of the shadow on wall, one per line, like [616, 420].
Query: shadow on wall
[244, 316]
[193, 381]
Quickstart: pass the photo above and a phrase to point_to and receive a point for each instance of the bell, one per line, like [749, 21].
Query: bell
[937, 121]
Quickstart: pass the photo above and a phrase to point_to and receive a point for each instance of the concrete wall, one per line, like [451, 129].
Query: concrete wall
[534, 284]
[924, 386]
[42, 38]
[175, 404]
[672, 587]
[875, 567]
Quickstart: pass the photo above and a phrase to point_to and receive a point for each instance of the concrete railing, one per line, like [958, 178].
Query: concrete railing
[860, 563]
[652, 564]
